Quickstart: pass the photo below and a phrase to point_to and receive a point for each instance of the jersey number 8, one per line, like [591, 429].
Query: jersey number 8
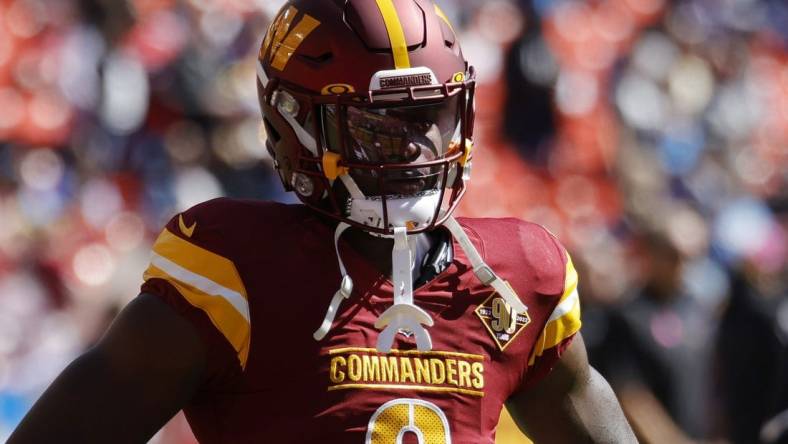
[394, 419]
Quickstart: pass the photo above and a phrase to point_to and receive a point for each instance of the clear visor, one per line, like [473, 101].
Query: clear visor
[396, 135]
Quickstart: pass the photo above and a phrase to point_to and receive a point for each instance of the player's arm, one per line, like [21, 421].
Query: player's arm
[146, 367]
[572, 404]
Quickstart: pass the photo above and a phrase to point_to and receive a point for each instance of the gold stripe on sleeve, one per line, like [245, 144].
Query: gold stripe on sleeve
[207, 281]
[199, 261]
[565, 320]
[230, 323]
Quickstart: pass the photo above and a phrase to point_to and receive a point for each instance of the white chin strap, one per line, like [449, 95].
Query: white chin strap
[404, 314]
[345, 289]
[482, 271]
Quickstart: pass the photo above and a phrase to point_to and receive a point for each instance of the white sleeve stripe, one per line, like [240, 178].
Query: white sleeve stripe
[565, 306]
[203, 284]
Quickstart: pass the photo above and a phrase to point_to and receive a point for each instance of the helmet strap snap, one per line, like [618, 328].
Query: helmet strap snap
[483, 272]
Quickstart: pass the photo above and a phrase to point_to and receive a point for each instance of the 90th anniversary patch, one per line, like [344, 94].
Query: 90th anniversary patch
[501, 320]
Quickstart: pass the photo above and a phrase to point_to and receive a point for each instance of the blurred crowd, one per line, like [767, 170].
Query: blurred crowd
[651, 136]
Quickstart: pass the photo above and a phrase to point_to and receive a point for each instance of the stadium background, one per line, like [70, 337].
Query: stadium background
[651, 136]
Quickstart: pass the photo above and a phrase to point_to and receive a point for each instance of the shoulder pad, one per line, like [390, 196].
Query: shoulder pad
[188, 255]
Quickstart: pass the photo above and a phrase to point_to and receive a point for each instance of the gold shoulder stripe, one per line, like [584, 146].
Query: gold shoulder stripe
[199, 261]
[223, 315]
[570, 278]
[565, 319]
[399, 46]
[208, 281]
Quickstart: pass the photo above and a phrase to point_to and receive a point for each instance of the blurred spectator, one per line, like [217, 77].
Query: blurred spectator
[528, 117]
[753, 351]
[659, 345]
[753, 363]
[598, 119]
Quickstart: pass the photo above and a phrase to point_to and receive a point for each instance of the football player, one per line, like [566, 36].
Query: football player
[435, 323]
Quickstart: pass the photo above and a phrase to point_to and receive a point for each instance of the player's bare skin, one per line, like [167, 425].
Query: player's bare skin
[145, 368]
[572, 404]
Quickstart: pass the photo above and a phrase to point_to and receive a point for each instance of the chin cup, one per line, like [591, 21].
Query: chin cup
[404, 317]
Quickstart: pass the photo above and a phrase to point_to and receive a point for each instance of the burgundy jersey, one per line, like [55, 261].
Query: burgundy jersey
[255, 279]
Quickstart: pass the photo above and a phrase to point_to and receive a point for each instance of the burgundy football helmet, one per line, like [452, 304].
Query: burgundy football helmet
[368, 109]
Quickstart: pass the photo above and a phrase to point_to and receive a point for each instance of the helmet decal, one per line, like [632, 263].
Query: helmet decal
[281, 44]
[337, 88]
[278, 28]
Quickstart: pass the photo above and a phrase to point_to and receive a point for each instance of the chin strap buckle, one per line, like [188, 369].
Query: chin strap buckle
[483, 272]
[404, 317]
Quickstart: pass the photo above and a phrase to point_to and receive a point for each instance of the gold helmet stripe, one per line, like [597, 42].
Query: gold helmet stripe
[399, 46]
[207, 281]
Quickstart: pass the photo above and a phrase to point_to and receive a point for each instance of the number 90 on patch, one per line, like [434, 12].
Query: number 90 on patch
[501, 320]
